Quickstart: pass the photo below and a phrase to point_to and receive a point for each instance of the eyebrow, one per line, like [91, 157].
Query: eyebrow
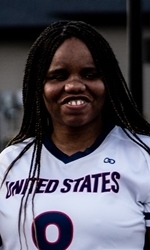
[89, 68]
[62, 68]
[54, 71]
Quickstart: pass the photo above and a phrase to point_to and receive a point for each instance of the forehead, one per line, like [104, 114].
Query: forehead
[73, 41]
[72, 49]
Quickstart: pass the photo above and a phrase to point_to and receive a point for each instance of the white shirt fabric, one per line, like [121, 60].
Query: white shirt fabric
[100, 201]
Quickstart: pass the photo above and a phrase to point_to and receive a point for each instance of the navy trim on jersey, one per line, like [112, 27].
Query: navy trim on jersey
[147, 216]
[66, 158]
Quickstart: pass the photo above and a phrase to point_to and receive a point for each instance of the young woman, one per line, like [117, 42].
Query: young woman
[77, 175]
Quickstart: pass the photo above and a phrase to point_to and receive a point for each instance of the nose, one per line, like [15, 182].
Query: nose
[75, 85]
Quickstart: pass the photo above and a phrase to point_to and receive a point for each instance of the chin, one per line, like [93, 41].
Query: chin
[76, 123]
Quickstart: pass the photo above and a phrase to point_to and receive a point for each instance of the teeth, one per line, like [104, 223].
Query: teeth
[76, 102]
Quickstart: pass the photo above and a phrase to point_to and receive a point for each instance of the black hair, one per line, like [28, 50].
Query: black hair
[120, 104]
[120, 108]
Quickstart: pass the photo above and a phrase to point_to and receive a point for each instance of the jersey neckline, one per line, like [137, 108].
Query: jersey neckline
[50, 146]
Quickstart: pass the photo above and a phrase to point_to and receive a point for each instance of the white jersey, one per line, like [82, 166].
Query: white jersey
[95, 202]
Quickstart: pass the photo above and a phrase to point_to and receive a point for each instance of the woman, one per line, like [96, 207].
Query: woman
[77, 174]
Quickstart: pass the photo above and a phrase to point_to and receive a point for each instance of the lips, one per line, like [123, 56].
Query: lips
[76, 100]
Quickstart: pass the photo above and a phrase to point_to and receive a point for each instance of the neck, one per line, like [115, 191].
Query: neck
[73, 140]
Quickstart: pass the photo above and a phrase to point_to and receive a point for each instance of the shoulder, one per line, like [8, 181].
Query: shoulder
[130, 148]
[14, 149]
[126, 135]
[11, 152]
[123, 138]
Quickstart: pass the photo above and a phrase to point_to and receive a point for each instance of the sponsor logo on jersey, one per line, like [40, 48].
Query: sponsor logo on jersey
[109, 160]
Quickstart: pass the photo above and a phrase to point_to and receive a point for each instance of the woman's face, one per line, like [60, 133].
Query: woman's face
[73, 93]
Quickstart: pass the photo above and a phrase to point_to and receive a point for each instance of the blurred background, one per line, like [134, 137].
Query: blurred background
[124, 23]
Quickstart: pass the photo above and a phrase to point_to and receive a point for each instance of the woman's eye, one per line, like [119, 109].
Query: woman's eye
[59, 77]
[92, 76]
[90, 73]
[56, 77]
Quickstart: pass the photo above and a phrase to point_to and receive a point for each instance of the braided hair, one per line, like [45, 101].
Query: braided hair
[119, 109]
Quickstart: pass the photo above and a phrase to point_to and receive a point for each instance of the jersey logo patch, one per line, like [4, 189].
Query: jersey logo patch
[109, 160]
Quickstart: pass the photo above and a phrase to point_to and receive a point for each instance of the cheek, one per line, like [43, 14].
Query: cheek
[50, 92]
[100, 95]
[100, 91]
[47, 97]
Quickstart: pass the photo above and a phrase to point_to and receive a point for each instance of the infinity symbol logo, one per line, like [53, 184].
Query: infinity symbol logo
[108, 160]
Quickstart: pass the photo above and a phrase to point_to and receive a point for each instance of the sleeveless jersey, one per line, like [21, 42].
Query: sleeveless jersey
[98, 201]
